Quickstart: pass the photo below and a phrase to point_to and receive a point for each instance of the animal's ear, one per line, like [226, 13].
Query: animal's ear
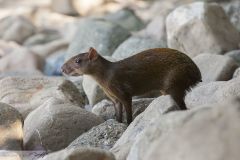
[92, 54]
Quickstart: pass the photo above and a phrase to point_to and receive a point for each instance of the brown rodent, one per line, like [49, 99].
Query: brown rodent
[168, 70]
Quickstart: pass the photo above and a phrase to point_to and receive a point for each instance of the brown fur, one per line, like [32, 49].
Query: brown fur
[168, 70]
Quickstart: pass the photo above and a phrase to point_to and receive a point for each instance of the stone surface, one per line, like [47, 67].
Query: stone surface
[11, 133]
[212, 92]
[57, 125]
[102, 35]
[157, 108]
[105, 108]
[27, 93]
[15, 60]
[233, 11]
[235, 54]
[158, 127]
[93, 91]
[201, 28]
[52, 47]
[16, 28]
[103, 136]
[63, 7]
[53, 64]
[42, 37]
[9, 155]
[236, 73]
[215, 67]
[21, 74]
[214, 131]
[125, 18]
[80, 154]
[134, 45]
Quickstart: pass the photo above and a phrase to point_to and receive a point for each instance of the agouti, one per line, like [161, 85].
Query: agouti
[168, 70]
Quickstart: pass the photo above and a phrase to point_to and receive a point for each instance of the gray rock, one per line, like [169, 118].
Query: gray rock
[47, 49]
[236, 73]
[201, 28]
[20, 59]
[215, 67]
[125, 18]
[53, 64]
[233, 11]
[134, 45]
[214, 131]
[9, 155]
[16, 28]
[157, 108]
[57, 125]
[27, 93]
[21, 74]
[103, 136]
[80, 154]
[235, 54]
[212, 92]
[157, 128]
[106, 110]
[102, 35]
[63, 7]
[11, 124]
[42, 37]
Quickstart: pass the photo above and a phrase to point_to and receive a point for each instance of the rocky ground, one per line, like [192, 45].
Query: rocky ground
[46, 116]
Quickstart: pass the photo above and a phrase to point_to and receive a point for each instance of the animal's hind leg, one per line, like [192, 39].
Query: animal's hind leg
[178, 96]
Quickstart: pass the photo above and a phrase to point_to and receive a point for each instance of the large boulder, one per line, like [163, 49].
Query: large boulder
[15, 60]
[16, 28]
[103, 136]
[157, 108]
[106, 110]
[201, 28]
[57, 125]
[80, 154]
[134, 45]
[11, 124]
[125, 18]
[211, 134]
[215, 67]
[27, 93]
[212, 92]
[102, 35]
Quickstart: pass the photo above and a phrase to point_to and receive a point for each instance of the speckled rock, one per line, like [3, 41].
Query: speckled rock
[213, 92]
[157, 108]
[11, 123]
[134, 45]
[80, 154]
[125, 18]
[27, 93]
[102, 136]
[215, 67]
[106, 110]
[102, 35]
[213, 130]
[57, 125]
[201, 28]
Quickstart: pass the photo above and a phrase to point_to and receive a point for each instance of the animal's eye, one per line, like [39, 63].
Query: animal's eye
[77, 60]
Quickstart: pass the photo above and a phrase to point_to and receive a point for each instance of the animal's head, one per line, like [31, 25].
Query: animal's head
[81, 64]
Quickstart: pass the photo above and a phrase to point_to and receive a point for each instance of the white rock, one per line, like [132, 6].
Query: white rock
[57, 125]
[215, 67]
[27, 93]
[158, 107]
[201, 28]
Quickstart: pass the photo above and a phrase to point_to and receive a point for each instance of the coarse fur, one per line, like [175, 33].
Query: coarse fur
[168, 70]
